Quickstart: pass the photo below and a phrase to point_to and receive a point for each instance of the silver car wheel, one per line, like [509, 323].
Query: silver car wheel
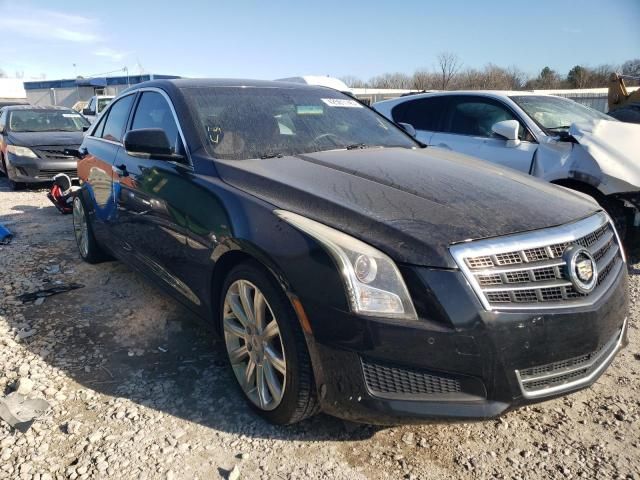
[254, 344]
[80, 228]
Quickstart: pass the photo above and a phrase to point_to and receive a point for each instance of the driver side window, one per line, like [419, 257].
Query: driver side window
[474, 116]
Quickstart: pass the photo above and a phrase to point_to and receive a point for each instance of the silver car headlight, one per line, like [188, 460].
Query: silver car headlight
[372, 280]
[21, 151]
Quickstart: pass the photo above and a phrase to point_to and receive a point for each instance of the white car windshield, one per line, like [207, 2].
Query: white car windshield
[556, 113]
[242, 123]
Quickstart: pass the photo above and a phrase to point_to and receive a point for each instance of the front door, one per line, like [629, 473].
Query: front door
[467, 128]
[155, 198]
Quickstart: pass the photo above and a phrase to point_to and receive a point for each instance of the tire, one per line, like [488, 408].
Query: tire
[278, 352]
[3, 167]
[88, 247]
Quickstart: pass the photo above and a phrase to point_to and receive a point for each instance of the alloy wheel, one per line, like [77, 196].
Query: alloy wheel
[254, 345]
[80, 227]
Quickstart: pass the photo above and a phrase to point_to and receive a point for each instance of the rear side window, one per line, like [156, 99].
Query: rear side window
[474, 116]
[116, 119]
[154, 112]
[422, 113]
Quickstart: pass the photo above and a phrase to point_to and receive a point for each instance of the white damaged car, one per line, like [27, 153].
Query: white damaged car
[552, 138]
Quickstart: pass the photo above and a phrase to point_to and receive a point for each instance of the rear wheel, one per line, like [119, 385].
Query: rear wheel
[266, 347]
[88, 247]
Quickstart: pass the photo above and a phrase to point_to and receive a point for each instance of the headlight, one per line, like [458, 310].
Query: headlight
[21, 151]
[373, 282]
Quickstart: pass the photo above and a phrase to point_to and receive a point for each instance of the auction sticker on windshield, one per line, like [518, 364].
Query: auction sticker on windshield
[341, 102]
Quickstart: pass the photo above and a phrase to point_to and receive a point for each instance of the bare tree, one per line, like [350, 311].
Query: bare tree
[391, 80]
[425, 80]
[448, 64]
[353, 82]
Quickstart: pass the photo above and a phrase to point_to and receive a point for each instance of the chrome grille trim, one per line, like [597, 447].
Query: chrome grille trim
[566, 375]
[526, 271]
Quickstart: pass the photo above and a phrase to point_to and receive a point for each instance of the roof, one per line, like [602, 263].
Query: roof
[483, 93]
[34, 107]
[234, 82]
[94, 81]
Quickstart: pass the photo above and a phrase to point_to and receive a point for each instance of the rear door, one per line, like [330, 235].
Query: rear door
[467, 128]
[424, 114]
[155, 201]
[99, 150]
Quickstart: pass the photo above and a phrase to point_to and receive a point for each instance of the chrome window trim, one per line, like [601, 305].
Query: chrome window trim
[566, 233]
[175, 118]
[132, 115]
[98, 118]
[601, 365]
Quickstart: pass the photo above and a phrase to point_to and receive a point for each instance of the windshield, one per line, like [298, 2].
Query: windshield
[103, 102]
[556, 113]
[46, 121]
[240, 123]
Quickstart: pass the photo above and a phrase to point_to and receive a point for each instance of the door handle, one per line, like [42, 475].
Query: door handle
[121, 170]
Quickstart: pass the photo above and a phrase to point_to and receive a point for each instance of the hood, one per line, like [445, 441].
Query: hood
[614, 147]
[35, 139]
[411, 204]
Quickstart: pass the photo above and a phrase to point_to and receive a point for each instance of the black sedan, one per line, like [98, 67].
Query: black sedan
[347, 268]
[37, 143]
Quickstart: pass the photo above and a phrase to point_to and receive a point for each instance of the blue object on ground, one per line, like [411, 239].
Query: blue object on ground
[5, 235]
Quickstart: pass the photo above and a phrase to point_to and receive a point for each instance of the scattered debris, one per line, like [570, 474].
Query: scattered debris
[234, 473]
[52, 269]
[5, 235]
[47, 292]
[20, 412]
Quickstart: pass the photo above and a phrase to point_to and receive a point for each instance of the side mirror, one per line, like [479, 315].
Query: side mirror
[407, 127]
[149, 142]
[88, 111]
[509, 130]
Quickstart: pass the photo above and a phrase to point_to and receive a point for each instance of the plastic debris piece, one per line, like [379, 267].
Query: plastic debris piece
[47, 292]
[5, 235]
[20, 412]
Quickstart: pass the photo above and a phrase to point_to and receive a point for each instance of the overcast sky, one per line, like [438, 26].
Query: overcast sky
[271, 39]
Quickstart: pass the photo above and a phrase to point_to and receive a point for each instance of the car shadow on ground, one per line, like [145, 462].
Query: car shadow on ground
[121, 336]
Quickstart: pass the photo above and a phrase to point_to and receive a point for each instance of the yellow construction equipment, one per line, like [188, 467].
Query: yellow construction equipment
[623, 105]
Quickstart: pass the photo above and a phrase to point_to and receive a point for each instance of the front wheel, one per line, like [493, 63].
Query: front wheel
[266, 347]
[88, 247]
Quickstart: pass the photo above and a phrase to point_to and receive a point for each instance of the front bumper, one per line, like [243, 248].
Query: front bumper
[458, 361]
[38, 170]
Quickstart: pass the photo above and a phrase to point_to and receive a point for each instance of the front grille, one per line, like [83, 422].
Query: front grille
[50, 173]
[567, 374]
[55, 152]
[387, 380]
[527, 270]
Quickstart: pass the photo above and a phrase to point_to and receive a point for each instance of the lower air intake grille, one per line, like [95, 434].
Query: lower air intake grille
[567, 374]
[386, 380]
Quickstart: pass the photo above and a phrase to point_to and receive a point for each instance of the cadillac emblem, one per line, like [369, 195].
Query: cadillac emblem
[580, 268]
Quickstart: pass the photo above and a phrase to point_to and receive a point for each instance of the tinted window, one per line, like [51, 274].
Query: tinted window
[153, 112]
[116, 119]
[242, 123]
[422, 113]
[475, 116]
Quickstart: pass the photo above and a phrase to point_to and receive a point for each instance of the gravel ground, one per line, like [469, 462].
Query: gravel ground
[138, 390]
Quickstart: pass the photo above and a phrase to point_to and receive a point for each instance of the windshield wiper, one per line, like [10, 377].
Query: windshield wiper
[270, 155]
[560, 127]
